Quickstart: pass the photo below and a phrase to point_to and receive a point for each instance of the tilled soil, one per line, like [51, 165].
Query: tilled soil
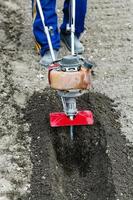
[38, 162]
[81, 169]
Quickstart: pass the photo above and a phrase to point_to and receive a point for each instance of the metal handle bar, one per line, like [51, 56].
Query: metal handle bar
[73, 7]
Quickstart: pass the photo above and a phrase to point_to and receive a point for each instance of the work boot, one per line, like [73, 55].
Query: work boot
[66, 38]
[46, 60]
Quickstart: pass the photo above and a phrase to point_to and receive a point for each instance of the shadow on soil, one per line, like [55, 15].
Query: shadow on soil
[63, 170]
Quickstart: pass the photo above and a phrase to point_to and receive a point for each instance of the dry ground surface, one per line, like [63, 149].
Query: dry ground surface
[37, 162]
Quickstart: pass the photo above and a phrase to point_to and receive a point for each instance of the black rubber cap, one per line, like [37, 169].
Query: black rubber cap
[88, 64]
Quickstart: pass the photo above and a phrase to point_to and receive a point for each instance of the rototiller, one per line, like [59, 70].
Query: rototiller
[71, 77]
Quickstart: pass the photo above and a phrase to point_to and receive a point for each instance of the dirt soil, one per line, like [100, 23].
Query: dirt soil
[89, 167]
[38, 162]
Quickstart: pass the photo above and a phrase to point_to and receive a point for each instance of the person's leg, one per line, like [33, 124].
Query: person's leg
[81, 7]
[66, 16]
[50, 15]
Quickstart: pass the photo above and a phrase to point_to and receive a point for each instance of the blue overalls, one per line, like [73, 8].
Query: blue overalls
[50, 15]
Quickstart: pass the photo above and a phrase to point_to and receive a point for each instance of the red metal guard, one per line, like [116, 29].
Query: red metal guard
[61, 119]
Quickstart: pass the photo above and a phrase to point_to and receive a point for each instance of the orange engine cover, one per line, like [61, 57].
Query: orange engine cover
[61, 80]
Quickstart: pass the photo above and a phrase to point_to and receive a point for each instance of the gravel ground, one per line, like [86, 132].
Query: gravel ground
[36, 167]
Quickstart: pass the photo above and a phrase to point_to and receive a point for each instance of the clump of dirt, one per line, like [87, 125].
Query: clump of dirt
[93, 166]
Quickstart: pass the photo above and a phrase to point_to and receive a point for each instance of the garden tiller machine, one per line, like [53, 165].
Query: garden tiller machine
[71, 77]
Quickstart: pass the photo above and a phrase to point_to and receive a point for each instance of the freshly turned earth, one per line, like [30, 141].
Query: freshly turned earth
[84, 168]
